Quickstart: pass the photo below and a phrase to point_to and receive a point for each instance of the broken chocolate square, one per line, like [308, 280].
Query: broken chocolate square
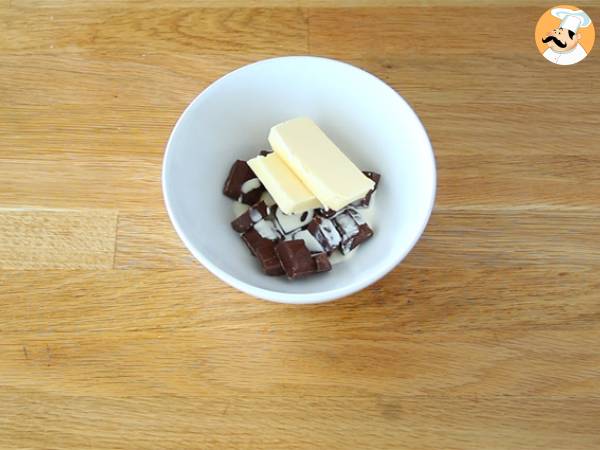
[352, 228]
[366, 200]
[252, 190]
[253, 215]
[269, 260]
[295, 258]
[322, 262]
[254, 240]
[242, 185]
[325, 232]
[264, 250]
[239, 173]
[364, 233]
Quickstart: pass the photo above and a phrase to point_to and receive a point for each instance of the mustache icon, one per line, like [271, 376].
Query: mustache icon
[555, 40]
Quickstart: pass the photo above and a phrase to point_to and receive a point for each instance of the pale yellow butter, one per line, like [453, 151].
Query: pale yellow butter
[323, 168]
[287, 190]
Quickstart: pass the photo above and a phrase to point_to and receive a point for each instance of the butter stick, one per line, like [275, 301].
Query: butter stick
[329, 174]
[287, 190]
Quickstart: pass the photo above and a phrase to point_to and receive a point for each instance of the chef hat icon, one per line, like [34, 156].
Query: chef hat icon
[571, 20]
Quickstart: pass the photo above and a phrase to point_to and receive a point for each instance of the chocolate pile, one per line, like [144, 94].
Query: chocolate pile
[294, 245]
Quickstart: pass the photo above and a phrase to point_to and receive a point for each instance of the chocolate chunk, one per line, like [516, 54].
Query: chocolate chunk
[252, 190]
[364, 233]
[269, 260]
[239, 173]
[252, 197]
[254, 240]
[325, 232]
[295, 258]
[242, 185]
[242, 223]
[352, 228]
[366, 200]
[253, 215]
[322, 262]
[264, 250]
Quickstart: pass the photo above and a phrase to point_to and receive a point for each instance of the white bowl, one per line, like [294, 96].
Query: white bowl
[230, 120]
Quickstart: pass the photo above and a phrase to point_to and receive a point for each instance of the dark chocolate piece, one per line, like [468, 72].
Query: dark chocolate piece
[264, 250]
[254, 214]
[352, 228]
[322, 262]
[366, 200]
[295, 258]
[239, 173]
[251, 191]
[325, 232]
[251, 197]
[364, 233]
[269, 260]
[254, 240]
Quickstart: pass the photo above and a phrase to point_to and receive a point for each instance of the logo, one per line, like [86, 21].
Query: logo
[564, 35]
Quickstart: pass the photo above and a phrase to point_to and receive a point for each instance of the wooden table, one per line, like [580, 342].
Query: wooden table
[113, 337]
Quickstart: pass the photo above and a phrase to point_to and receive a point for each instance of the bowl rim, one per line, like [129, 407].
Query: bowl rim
[279, 296]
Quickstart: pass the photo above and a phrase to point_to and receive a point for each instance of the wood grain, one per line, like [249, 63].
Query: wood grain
[57, 239]
[147, 240]
[173, 30]
[300, 422]
[64, 181]
[409, 301]
[116, 81]
[142, 4]
[107, 360]
[113, 336]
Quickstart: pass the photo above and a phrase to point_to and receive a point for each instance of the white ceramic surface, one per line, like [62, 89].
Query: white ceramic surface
[230, 120]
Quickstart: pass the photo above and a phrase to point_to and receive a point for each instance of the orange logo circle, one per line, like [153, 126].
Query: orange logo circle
[565, 35]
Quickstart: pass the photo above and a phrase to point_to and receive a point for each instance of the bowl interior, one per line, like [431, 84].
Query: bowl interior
[231, 119]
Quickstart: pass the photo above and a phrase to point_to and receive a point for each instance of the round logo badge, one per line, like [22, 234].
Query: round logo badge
[565, 35]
